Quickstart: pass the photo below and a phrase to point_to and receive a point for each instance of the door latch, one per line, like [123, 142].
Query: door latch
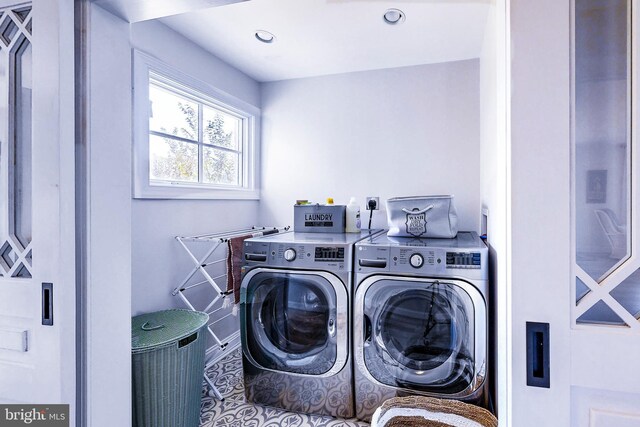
[538, 365]
[47, 304]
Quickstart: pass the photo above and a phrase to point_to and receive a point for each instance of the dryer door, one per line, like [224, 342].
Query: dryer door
[294, 321]
[422, 334]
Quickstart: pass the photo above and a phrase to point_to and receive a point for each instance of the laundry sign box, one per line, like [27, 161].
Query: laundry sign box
[316, 218]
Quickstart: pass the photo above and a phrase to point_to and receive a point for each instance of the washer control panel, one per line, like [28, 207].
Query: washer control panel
[465, 256]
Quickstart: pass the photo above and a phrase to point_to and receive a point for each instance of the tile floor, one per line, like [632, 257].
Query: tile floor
[234, 411]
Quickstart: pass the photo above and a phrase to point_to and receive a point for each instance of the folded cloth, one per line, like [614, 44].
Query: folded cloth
[422, 411]
[234, 265]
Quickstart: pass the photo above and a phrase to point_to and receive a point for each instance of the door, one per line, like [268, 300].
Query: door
[443, 353]
[37, 260]
[294, 321]
[574, 196]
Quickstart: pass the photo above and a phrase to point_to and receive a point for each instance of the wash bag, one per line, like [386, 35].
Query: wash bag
[422, 216]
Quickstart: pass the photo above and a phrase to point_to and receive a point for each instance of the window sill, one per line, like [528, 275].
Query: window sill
[185, 192]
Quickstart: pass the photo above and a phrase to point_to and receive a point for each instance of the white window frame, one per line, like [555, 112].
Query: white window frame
[145, 68]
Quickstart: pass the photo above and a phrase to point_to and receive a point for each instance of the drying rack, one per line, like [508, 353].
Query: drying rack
[209, 252]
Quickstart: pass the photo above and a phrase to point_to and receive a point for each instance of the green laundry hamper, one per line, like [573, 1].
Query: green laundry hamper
[167, 366]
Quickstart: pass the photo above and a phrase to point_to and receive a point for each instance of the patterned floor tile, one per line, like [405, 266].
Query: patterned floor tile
[234, 411]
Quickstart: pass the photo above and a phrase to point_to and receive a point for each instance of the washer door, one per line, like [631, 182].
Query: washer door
[421, 334]
[294, 321]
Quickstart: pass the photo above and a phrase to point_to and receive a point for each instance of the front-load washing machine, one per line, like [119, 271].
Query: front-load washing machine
[420, 319]
[295, 307]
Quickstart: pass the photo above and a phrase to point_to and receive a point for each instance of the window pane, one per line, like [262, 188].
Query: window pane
[22, 167]
[220, 167]
[221, 129]
[601, 314]
[172, 160]
[172, 114]
[581, 290]
[601, 135]
[627, 294]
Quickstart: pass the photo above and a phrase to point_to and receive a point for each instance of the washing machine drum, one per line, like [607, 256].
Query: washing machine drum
[423, 336]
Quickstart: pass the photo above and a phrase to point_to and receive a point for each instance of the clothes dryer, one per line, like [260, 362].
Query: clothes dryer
[295, 308]
[420, 319]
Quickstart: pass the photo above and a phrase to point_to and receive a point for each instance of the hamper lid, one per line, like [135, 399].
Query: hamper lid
[159, 328]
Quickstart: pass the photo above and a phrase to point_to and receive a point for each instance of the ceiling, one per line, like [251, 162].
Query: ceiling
[320, 37]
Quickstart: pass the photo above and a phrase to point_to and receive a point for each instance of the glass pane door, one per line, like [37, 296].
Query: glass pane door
[606, 282]
[602, 105]
[291, 322]
[15, 144]
[421, 336]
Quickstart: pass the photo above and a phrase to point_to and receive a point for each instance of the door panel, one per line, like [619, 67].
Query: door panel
[37, 201]
[596, 408]
[573, 116]
[605, 328]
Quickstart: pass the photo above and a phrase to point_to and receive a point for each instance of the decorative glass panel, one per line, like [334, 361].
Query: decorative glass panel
[602, 105]
[601, 313]
[8, 30]
[627, 294]
[22, 271]
[22, 167]
[581, 289]
[22, 13]
[15, 144]
[7, 256]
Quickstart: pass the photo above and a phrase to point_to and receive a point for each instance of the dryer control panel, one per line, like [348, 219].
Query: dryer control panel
[298, 255]
[313, 251]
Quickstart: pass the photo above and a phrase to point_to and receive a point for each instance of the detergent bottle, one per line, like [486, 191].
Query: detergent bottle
[353, 217]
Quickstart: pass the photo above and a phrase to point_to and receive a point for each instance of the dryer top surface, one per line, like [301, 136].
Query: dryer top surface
[317, 238]
[465, 240]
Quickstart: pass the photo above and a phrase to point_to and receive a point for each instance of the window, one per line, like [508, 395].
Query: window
[191, 140]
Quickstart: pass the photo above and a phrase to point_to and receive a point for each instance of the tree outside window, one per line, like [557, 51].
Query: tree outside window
[191, 141]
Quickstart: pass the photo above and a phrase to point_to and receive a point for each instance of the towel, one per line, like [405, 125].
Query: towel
[421, 411]
[234, 265]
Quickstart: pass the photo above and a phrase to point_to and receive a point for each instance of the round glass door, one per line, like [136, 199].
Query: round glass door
[420, 335]
[290, 322]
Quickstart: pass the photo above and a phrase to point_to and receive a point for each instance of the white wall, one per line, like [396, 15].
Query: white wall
[540, 237]
[395, 132]
[134, 261]
[493, 190]
[158, 261]
[109, 222]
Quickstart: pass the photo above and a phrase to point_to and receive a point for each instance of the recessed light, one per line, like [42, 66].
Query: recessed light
[393, 16]
[265, 36]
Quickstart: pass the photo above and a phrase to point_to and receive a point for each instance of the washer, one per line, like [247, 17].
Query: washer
[420, 320]
[295, 304]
